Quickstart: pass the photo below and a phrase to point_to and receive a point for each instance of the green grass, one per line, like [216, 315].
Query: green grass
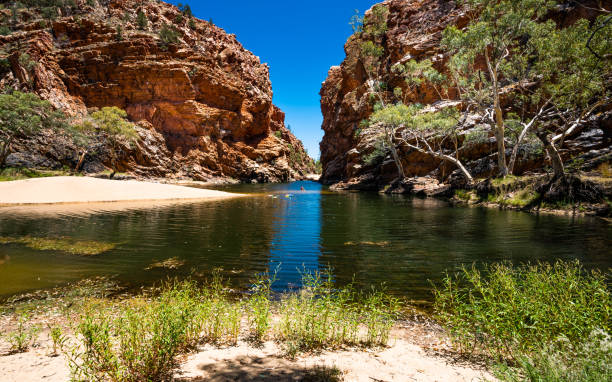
[139, 339]
[322, 316]
[24, 334]
[521, 198]
[63, 244]
[463, 195]
[540, 319]
[14, 173]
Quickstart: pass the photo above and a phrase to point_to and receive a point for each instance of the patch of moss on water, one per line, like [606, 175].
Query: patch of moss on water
[171, 263]
[63, 244]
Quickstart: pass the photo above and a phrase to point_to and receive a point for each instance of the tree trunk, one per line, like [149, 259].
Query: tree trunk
[5, 150]
[499, 121]
[445, 157]
[76, 169]
[555, 158]
[396, 158]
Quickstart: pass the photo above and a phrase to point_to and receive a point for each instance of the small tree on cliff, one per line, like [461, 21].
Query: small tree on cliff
[141, 20]
[111, 123]
[23, 115]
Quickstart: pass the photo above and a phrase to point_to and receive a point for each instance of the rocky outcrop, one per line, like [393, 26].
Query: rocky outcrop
[414, 30]
[202, 103]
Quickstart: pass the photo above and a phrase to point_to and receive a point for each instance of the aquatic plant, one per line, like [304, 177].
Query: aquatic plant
[63, 244]
[171, 263]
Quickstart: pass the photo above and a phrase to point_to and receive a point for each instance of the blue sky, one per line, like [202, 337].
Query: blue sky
[299, 41]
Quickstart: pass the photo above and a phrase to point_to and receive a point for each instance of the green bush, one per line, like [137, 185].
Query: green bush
[168, 35]
[322, 316]
[140, 341]
[588, 361]
[510, 312]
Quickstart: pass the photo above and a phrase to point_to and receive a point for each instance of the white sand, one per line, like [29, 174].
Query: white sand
[402, 361]
[75, 189]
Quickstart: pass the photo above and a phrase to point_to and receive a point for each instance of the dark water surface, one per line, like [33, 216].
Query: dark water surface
[404, 242]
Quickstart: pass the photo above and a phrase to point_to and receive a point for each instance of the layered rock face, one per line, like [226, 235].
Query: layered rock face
[202, 103]
[414, 31]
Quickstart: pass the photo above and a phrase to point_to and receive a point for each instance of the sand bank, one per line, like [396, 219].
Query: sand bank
[75, 189]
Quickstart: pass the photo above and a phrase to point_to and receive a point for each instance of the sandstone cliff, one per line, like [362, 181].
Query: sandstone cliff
[413, 32]
[202, 103]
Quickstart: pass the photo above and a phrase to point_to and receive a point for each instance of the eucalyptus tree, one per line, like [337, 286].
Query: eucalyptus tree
[23, 115]
[111, 123]
[426, 130]
[492, 53]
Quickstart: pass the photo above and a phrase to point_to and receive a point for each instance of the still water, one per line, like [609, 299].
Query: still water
[406, 243]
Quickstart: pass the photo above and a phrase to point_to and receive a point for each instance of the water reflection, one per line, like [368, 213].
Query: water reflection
[401, 241]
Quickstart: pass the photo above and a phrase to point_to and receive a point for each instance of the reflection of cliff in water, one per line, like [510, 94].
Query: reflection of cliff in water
[407, 242]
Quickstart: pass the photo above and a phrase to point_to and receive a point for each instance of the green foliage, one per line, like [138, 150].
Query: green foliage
[278, 134]
[141, 20]
[356, 22]
[179, 19]
[24, 335]
[571, 75]
[26, 61]
[377, 155]
[119, 33]
[322, 316]
[415, 73]
[168, 35]
[259, 307]
[414, 118]
[318, 166]
[15, 173]
[587, 361]
[23, 115]
[512, 312]
[59, 339]
[185, 10]
[376, 22]
[112, 123]
[5, 30]
[140, 342]
[372, 50]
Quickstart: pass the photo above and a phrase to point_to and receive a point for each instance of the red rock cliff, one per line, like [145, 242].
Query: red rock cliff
[414, 30]
[203, 104]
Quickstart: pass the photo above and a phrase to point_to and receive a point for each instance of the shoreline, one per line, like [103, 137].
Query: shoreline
[74, 190]
[418, 349]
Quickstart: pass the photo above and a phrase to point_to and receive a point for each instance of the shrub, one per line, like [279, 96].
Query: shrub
[510, 311]
[587, 361]
[141, 20]
[23, 115]
[168, 35]
[139, 342]
[322, 316]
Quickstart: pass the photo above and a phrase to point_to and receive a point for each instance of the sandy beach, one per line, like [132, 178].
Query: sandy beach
[75, 189]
